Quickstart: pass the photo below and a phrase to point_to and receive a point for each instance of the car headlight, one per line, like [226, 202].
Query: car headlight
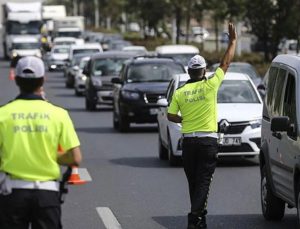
[83, 77]
[130, 95]
[255, 123]
[96, 82]
[14, 54]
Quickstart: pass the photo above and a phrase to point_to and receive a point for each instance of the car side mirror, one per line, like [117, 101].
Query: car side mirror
[116, 81]
[261, 87]
[280, 124]
[162, 102]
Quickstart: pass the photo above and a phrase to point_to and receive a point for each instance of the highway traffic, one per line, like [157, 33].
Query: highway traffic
[131, 187]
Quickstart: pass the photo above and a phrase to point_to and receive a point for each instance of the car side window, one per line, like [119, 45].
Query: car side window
[289, 104]
[277, 94]
[171, 92]
[271, 80]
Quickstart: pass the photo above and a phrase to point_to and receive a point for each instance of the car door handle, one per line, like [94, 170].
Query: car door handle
[276, 135]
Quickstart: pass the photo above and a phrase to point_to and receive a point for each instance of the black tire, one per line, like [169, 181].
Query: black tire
[123, 123]
[162, 150]
[272, 207]
[173, 160]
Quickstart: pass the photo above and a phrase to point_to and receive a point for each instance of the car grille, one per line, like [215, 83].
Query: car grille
[244, 147]
[236, 127]
[152, 98]
[256, 141]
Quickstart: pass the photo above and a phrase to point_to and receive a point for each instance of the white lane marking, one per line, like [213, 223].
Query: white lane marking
[84, 174]
[108, 218]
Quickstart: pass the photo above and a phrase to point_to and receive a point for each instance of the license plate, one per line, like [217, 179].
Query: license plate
[228, 141]
[153, 111]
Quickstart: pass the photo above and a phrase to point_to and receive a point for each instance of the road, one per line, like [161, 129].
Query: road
[132, 189]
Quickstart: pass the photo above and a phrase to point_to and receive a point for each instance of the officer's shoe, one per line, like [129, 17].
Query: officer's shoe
[201, 224]
[196, 222]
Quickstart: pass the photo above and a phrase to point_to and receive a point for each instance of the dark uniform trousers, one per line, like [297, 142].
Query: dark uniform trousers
[23, 207]
[199, 162]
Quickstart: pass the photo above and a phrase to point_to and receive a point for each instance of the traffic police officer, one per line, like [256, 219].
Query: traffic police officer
[31, 129]
[197, 103]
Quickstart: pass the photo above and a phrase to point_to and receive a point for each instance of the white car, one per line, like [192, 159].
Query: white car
[58, 57]
[181, 53]
[239, 110]
[26, 46]
[80, 78]
[87, 48]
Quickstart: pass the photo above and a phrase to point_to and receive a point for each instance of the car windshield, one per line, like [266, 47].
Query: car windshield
[26, 45]
[182, 58]
[17, 28]
[85, 51]
[76, 34]
[153, 72]
[108, 66]
[237, 91]
[65, 42]
[76, 60]
[83, 63]
[61, 50]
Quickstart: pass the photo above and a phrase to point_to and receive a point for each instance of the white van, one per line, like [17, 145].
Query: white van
[181, 53]
[26, 46]
[280, 140]
[87, 48]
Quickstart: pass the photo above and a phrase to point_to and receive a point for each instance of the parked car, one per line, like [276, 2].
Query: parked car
[181, 53]
[239, 113]
[142, 81]
[72, 69]
[280, 145]
[100, 70]
[80, 77]
[58, 57]
[242, 67]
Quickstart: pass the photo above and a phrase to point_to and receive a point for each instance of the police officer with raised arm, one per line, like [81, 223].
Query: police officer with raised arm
[197, 103]
[31, 130]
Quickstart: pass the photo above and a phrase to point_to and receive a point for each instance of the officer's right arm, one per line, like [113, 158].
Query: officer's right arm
[229, 54]
[71, 157]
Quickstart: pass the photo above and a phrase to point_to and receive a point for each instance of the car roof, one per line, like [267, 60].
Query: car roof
[134, 47]
[86, 46]
[152, 59]
[173, 49]
[24, 39]
[229, 76]
[292, 60]
[61, 46]
[64, 39]
[113, 54]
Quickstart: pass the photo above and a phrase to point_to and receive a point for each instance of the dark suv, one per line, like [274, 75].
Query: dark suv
[142, 81]
[100, 70]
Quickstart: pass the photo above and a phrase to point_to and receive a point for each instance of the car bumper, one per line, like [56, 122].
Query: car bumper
[105, 97]
[56, 65]
[140, 113]
[250, 143]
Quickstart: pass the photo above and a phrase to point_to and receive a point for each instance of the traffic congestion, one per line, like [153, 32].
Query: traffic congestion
[127, 117]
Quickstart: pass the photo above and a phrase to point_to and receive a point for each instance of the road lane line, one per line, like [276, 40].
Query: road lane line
[108, 218]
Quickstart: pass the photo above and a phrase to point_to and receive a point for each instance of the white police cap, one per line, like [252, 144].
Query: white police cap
[197, 62]
[30, 67]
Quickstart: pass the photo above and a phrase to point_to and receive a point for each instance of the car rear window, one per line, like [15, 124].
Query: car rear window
[88, 51]
[108, 66]
[153, 72]
[237, 91]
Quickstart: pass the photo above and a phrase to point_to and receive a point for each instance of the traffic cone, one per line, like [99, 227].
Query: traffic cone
[11, 74]
[75, 178]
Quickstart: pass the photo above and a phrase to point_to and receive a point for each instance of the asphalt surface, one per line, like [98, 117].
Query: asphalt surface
[139, 189]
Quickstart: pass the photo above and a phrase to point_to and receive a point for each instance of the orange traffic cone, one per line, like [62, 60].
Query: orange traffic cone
[11, 74]
[75, 178]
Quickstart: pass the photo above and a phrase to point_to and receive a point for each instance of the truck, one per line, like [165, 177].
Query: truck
[19, 19]
[51, 13]
[71, 26]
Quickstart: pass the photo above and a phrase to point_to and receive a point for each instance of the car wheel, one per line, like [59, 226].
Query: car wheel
[162, 150]
[173, 160]
[77, 92]
[68, 82]
[272, 207]
[90, 106]
[123, 123]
